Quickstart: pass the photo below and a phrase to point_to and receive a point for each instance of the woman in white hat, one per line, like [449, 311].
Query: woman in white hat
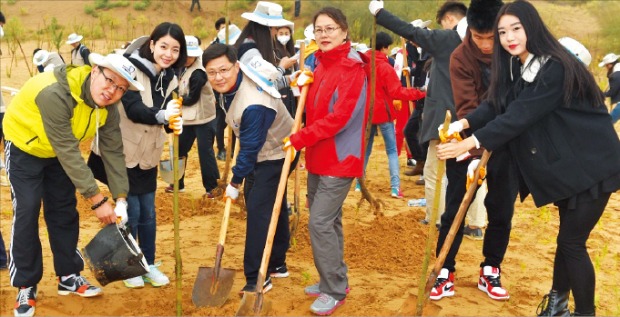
[257, 36]
[198, 118]
[611, 62]
[79, 52]
[285, 47]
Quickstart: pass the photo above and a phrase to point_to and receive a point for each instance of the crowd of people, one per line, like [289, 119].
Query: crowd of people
[512, 88]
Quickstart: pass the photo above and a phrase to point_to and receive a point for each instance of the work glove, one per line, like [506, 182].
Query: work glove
[397, 104]
[406, 70]
[302, 78]
[231, 192]
[173, 108]
[121, 211]
[176, 124]
[453, 132]
[288, 146]
[471, 171]
[375, 6]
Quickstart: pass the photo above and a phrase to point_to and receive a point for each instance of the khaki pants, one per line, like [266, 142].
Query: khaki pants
[477, 213]
[430, 179]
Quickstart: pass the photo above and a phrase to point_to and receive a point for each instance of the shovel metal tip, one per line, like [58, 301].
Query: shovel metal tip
[253, 304]
[210, 291]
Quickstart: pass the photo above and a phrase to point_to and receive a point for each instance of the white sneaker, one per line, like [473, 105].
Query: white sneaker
[134, 282]
[155, 276]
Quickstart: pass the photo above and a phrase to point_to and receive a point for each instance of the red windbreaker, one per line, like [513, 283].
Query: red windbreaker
[388, 88]
[336, 114]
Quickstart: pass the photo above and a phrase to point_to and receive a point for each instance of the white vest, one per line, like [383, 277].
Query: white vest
[202, 111]
[250, 94]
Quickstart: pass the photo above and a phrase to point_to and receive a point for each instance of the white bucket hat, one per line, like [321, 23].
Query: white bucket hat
[577, 49]
[362, 48]
[233, 34]
[395, 51]
[421, 24]
[118, 64]
[193, 48]
[40, 57]
[263, 73]
[74, 38]
[267, 14]
[608, 59]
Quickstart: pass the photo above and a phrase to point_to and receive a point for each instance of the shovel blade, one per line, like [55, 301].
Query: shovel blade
[252, 304]
[211, 289]
[166, 173]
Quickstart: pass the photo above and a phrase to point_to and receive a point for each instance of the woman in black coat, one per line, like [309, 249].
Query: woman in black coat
[545, 105]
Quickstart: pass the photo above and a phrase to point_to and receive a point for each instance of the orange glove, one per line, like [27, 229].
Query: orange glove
[397, 104]
[302, 78]
[176, 124]
[288, 146]
[471, 171]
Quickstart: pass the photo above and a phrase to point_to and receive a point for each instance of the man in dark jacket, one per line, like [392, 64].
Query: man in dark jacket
[439, 44]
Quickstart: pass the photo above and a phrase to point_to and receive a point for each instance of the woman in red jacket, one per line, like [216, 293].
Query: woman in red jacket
[336, 113]
[383, 114]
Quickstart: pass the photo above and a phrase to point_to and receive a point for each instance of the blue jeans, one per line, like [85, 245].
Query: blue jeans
[389, 138]
[141, 213]
[615, 113]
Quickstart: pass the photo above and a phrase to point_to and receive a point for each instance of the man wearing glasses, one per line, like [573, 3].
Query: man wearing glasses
[259, 119]
[44, 125]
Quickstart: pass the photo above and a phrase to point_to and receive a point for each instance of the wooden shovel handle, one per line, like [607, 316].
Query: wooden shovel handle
[262, 272]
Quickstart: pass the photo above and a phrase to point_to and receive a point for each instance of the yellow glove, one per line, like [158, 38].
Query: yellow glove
[176, 124]
[471, 170]
[302, 78]
[397, 104]
[288, 146]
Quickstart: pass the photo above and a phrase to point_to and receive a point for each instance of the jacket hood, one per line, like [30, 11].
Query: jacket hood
[471, 49]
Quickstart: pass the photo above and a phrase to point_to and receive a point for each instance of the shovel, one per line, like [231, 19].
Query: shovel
[166, 167]
[213, 284]
[252, 302]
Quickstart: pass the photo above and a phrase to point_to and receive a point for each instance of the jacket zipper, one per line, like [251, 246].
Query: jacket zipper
[88, 124]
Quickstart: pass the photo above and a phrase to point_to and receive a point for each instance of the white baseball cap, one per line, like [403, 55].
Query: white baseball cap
[118, 64]
[193, 48]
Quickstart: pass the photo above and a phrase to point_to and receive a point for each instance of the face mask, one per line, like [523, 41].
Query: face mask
[283, 39]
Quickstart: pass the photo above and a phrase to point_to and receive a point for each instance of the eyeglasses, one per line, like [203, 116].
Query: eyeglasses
[110, 83]
[327, 31]
[224, 72]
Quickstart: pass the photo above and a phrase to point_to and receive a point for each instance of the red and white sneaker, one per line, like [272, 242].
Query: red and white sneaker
[489, 282]
[444, 285]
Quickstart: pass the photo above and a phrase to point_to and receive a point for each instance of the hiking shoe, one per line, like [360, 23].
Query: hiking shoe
[221, 155]
[267, 286]
[155, 276]
[78, 285]
[489, 282]
[420, 182]
[25, 302]
[474, 234]
[170, 189]
[411, 162]
[444, 285]
[396, 193]
[358, 188]
[280, 271]
[314, 291]
[212, 194]
[134, 282]
[417, 170]
[325, 305]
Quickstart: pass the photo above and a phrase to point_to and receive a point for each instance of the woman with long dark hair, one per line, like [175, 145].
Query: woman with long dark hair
[545, 105]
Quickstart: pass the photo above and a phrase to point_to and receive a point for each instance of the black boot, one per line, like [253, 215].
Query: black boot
[584, 314]
[554, 304]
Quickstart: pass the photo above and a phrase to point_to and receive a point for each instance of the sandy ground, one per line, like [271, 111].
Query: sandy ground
[384, 251]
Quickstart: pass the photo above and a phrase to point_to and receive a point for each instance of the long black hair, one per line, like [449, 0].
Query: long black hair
[261, 35]
[578, 81]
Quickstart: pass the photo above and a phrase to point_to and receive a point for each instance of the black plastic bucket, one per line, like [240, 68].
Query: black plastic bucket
[113, 255]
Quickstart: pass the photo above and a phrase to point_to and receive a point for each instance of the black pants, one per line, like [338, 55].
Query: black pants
[203, 134]
[502, 182]
[34, 179]
[418, 152]
[572, 268]
[195, 2]
[260, 190]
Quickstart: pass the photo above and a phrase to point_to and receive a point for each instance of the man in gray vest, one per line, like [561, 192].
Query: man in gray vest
[79, 53]
[257, 116]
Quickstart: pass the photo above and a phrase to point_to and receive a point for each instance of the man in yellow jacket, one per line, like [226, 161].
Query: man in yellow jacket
[43, 126]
